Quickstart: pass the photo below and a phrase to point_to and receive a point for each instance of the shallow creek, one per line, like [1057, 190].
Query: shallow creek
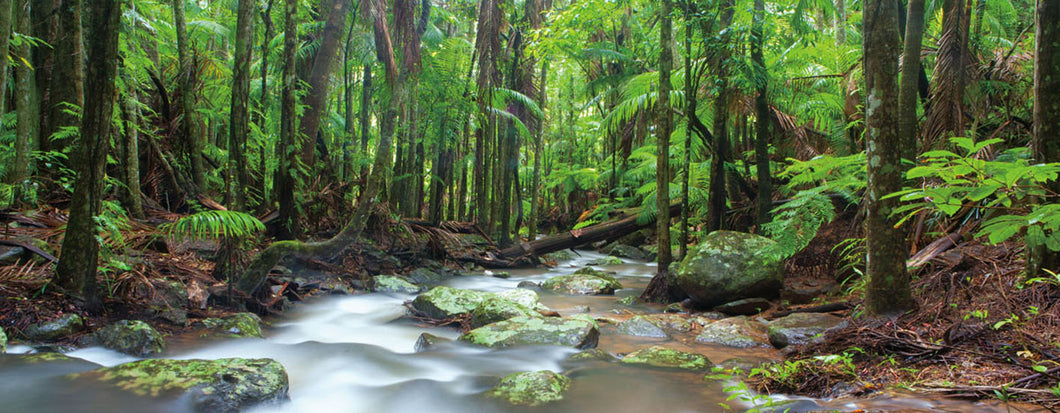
[356, 354]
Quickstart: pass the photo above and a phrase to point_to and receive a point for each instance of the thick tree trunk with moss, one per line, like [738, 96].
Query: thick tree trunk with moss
[193, 141]
[907, 89]
[27, 106]
[658, 288]
[320, 79]
[66, 96]
[80, 251]
[287, 174]
[239, 115]
[1046, 142]
[888, 291]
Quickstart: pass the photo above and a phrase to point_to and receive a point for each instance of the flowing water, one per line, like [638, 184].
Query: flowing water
[356, 354]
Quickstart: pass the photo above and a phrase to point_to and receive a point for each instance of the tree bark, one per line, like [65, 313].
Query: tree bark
[840, 23]
[1046, 141]
[66, 97]
[907, 89]
[717, 198]
[5, 47]
[539, 137]
[320, 78]
[194, 142]
[658, 288]
[888, 290]
[132, 198]
[765, 183]
[27, 128]
[239, 123]
[287, 174]
[80, 251]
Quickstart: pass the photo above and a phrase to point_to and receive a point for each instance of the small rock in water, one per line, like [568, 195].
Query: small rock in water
[674, 308]
[393, 284]
[235, 326]
[529, 285]
[658, 356]
[628, 301]
[53, 330]
[747, 306]
[640, 326]
[800, 328]
[593, 354]
[583, 283]
[577, 331]
[531, 388]
[441, 303]
[133, 337]
[739, 332]
[609, 260]
[429, 342]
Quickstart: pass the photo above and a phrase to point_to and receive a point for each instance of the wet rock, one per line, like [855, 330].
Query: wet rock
[424, 276]
[743, 365]
[608, 260]
[561, 255]
[133, 337]
[53, 330]
[495, 309]
[641, 326]
[443, 302]
[800, 328]
[627, 251]
[728, 266]
[806, 291]
[428, 342]
[225, 385]
[393, 284]
[531, 388]
[11, 255]
[526, 298]
[628, 301]
[746, 306]
[593, 354]
[528, 285]
[674, 308]
[740, 332]
[500, 274]
[235, 326]
[675, 322]
[575, 331]
[658, 356]
[168, 300]
[583, 282]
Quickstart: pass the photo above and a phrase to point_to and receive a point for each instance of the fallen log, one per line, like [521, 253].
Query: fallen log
[934, 249]
[605, 231]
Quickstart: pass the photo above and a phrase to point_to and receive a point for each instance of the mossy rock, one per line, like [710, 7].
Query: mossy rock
[56, 329]
[729, 266]
[425, 276]
[494, 309]
[225, 385]
[739, 332]
[800, 328]
[608, 260]
[662, 357]
[393, 284]
[577, 331]
[526, 298]
[531, 388]
[132, 337]
[746, 306]
[234, 326]
[627, 251]
[593, 354]
[582, 284]
[3, 341]
[441, 303]
[641, 326]
[561, 255]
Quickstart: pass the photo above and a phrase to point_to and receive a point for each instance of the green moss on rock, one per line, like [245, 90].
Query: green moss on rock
[658, 356]
[531, 388]
[641, 326]
[224, 385]
[53, 330]
[582, 284]
[575, 332]
[443, 302]
[393, 284]
[494, 309]
[739, 332]
[3, 341]
[729, 266]
[235, 326]
[132, 337]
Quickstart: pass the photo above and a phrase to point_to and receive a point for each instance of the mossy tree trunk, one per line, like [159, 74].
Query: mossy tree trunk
[193, 142]
[765, 183]
[1046, 142]
[27, 106]
[320, 79]
[658, 288]
[239, 123]
[908, 88]
[287, 175]
[66, 96]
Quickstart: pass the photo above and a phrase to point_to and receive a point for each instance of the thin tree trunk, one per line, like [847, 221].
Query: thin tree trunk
[888, 290]
[717, 198]
[659, 289]
[287, 174]
[80, 251]
[132, 196]
[193, 137]
[539, 137]
[765, 183]
[27, 107]
[239, 126]
[840, 23]
[5, 47]
[366, 107]
[66, 97]
[320, 78]
[45, 26]
[1046, 142]
[907, 89]
[691, 107]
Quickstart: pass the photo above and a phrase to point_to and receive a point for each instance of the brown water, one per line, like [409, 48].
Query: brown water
[355, 354]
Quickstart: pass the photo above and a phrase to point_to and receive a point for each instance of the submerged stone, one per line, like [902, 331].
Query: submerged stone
[800, 328]
[428, 342]
[56, 329]
[443, 302]
[225, 385]
[627, 251]
[740, 332]
[235, 326]
[641, 326]
[582, 284]
[425, 276]
[393, 284]
[593, 354]
[133, 337]
[531, 388]
[658, 356]
[729, 266]
[577, 331]
[561, 255]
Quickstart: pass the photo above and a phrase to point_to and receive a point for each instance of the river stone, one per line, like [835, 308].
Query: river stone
[729, 266]
[224, 385]
[740, 332]
[676, 322]
[53, 330]
[641, 326]
[658, 356]
[3, 341]
[800, 328]
[524, 297]
[627, 251]
[494, 309]
[167, 299]
[133, 337]
[593, 354]
[424, 276]
[532, 388]
[582, 283]
[608, 260]
[235, 326]
[746, 306]
[561, 255]
[428, 342]
[393, 284]
[441, 303]
[576, 331]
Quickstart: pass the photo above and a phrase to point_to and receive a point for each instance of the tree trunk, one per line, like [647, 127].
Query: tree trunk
[945, 115]
[130, 154]
[888, 290]
[1046, 141]
[80, 251]
[539, 137]
[193, 138]
[287, 174]
[320, 78]
[366, 105]
[840, 23]
[5, 47]
[658, 288]
[66, 97]
[765, 183]
[239, 123]
[45, 26]
[27, 107]
[907, 90]
[717, 199]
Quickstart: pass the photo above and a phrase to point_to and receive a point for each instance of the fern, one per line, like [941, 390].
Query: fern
[210, 225]
[796, 222]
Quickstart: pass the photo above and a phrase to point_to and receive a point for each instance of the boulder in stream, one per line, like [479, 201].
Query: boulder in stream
[168, 300]
[494, 309]
[608, 260]
[800, 328]
[740, 332]
[234, 326]
[659, 356]
[746, 306]
[577, 331]
[626, 251]
[133, 337]
[442, 303]
[532, 388]
[586, 281]
[428, 342]
[64, 326]
[729, 266]
[641, 326]
[224, 385]
[393, 284]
